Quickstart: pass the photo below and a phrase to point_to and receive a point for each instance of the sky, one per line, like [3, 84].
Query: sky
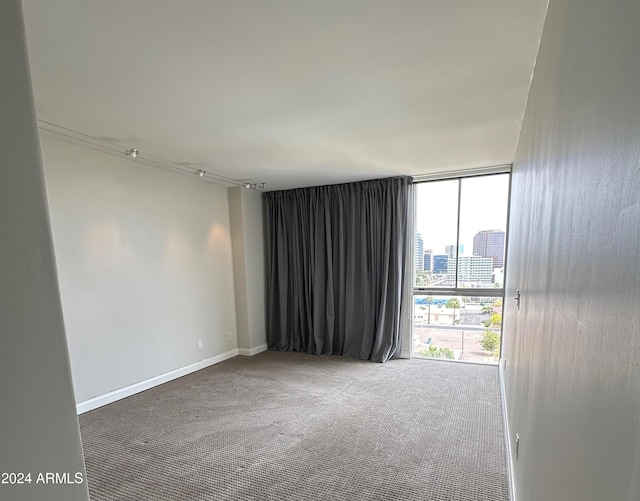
[483, 207]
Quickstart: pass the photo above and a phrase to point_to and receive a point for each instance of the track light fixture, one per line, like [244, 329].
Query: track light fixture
[131, 152]
[254, 186]
[200, 173]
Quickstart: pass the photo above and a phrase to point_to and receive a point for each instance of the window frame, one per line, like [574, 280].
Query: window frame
[463, 291]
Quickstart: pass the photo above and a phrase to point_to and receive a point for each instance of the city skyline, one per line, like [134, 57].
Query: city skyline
[486, 244]
[482, 207]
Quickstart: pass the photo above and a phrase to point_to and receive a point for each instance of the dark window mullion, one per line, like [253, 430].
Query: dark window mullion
[457, 285]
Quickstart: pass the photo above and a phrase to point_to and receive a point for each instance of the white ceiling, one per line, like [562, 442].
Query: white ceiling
[290, 92]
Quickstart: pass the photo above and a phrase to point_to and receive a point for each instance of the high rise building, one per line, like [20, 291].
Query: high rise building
[450, 250]
[490, 243]
[472, 270]
[428, 255]
[440, 264]
[419, 253]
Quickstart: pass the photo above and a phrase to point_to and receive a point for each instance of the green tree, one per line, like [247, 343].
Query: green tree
[490, 341]
[453, 303]
[434, 352]
[423, 278]
[429, 301]
[496, 319]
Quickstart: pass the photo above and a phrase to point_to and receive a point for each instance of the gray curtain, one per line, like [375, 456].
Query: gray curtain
[336, 268]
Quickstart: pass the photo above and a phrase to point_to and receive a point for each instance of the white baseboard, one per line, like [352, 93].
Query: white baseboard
[115, 395]
[507, 435]
[405, 354]
[253, 351]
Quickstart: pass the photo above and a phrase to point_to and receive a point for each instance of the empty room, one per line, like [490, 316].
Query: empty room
[309, 250]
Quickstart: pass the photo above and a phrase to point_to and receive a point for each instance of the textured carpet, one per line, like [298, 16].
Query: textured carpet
[282, 426]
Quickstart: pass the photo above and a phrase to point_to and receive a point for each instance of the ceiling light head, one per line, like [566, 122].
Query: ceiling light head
[131, 152]
[200, 173]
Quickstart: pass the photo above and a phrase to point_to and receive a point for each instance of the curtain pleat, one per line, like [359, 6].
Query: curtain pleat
[337, 264]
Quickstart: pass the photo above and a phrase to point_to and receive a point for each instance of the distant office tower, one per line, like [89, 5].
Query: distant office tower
[419, 253]
[450, 250]
[472, 270]
[427, 259]
[440, 264]
[490, 243]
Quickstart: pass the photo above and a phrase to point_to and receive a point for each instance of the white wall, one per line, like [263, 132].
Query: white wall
[248, 265]
[38, 425]
[144, 258]
[573, 350]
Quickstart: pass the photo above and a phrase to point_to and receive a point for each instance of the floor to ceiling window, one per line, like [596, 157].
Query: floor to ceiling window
[459, 263]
